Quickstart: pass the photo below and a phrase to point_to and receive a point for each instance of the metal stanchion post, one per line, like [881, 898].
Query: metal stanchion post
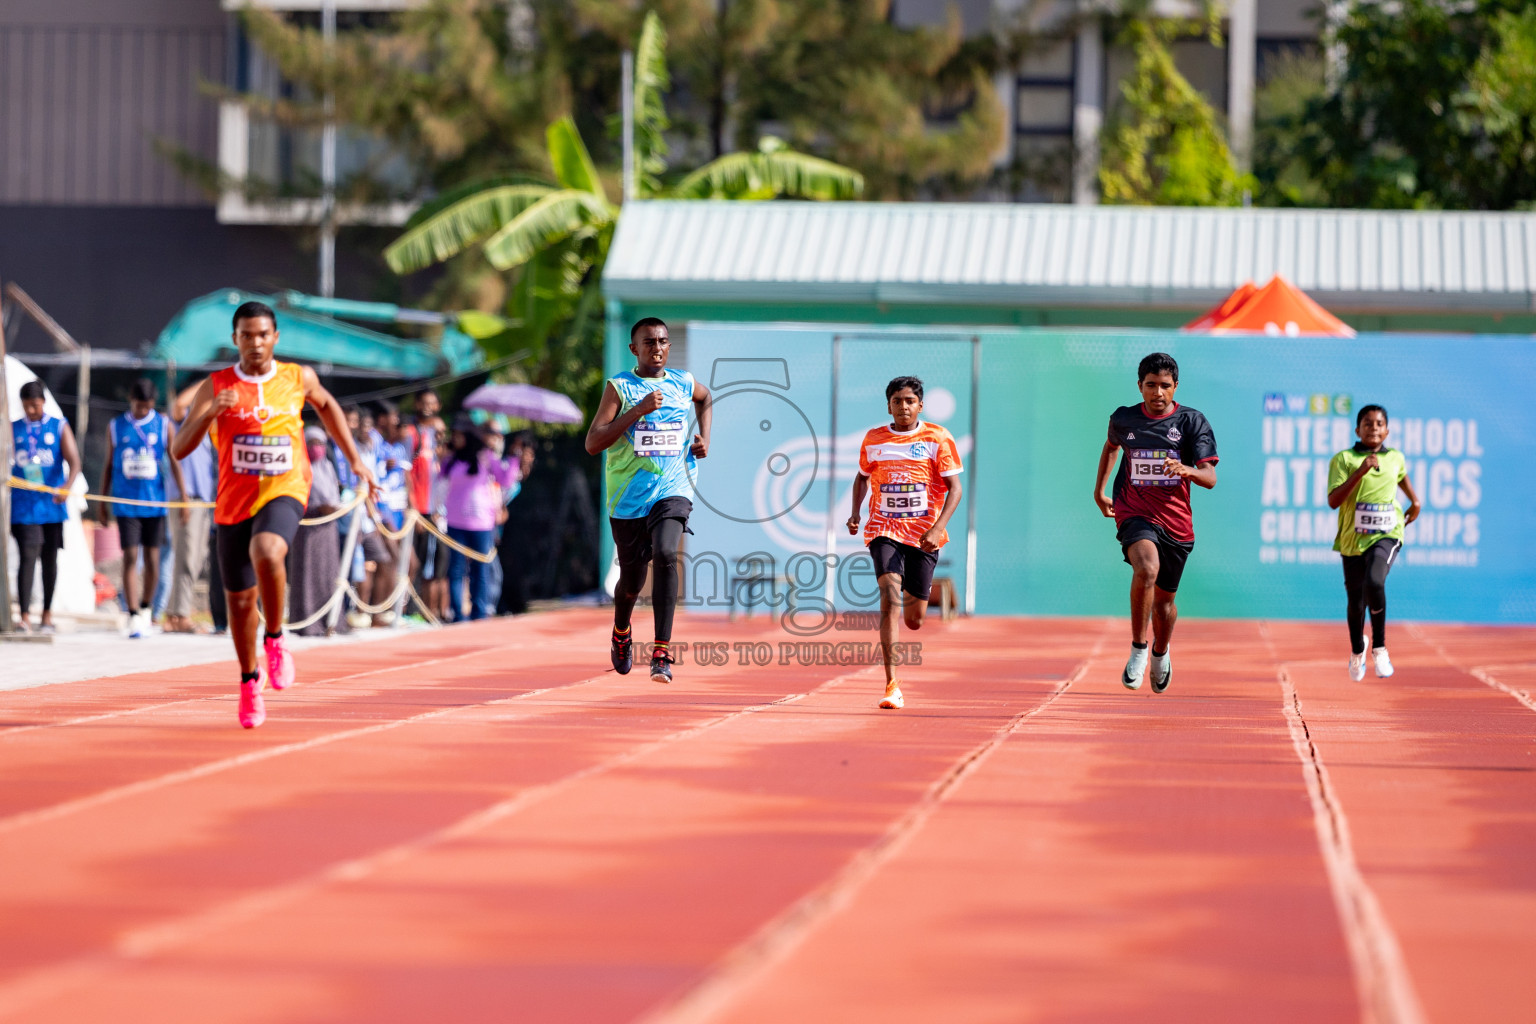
[344, 574]
[403, 559]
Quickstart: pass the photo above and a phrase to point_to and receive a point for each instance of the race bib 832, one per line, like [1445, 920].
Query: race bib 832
[660, 437]
[260, 455]
[1146, 467]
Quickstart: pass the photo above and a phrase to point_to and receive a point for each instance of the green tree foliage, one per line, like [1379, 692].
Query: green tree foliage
[1163, 144]
[1433, 107]
[838, 78]
[1281, 174]
[555, 237]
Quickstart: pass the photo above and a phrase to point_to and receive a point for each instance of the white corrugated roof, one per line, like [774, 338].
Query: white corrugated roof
[1004, 254]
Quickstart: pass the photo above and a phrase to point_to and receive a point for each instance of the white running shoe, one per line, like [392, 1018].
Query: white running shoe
[1162, 671]
[136, 627]
[1357, 666]
[1135, 668]
[1382, 662]
[893, 699]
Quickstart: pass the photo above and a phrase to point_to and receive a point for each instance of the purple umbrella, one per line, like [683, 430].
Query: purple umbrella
[525, 402]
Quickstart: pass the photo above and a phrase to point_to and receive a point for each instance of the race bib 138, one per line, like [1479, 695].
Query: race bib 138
[1146, 467]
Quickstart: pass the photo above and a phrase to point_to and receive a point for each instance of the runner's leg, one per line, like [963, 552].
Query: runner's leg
[1164, 614]
[269, 554]
[1354, 591]
[665, 538]
[1378, 562]
[890, 621]
[1142, 554]
[244, 621]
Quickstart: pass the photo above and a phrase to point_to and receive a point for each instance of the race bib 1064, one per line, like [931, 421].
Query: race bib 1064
[140, 464]
[259, 455]
[1375, 517]
[1146, 467]
[660, 437]
[904, 501]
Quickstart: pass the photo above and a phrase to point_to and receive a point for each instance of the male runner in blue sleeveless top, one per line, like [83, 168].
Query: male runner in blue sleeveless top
[642, 426]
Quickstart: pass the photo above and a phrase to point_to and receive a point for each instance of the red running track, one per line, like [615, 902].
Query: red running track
[479, 824]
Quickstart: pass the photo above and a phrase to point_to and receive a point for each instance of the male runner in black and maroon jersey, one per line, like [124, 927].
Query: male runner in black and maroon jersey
[1167, 446]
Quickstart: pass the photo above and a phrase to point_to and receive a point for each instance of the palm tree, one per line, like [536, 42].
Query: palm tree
[558, 232]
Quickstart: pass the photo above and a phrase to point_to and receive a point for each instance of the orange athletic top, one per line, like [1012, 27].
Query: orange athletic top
[908, 478]
[260, 441]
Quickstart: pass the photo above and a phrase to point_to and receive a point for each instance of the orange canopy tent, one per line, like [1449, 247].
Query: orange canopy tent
[1278, 308]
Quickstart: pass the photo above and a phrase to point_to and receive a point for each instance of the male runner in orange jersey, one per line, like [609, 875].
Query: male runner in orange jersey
[254, 413]
[911, 471]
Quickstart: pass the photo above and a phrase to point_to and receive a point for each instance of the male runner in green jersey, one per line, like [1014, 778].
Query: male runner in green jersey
[1362, 485]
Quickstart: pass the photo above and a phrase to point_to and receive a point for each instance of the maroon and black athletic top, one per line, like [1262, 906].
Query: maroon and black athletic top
[1141, 489]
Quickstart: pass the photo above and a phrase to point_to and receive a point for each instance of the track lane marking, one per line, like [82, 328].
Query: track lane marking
[1382, 979]
[786, 932]
[25, 992]
[87, 719]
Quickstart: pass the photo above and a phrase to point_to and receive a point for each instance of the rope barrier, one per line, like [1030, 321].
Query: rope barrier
[27, 485]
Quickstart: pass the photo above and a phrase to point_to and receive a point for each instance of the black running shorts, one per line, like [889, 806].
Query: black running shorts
[632, 537]
[280, 516]
[914, 564]
[1171, 554]
[146, 531]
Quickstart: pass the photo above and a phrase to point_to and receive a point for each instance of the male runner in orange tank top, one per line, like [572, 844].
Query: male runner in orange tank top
[254, 413]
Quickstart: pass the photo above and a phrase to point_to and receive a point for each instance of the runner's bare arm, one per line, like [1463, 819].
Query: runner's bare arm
[206, 406]
[1107, 459]
[71, 459]
[335, 423]
[1341, 493]
[929, 541]
[860, 492]
[608, 426]
[1413, 499]
[705, 415]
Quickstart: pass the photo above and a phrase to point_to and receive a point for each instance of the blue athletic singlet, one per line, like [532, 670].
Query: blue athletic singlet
[652, 460]
[138, 452]
[38, 457]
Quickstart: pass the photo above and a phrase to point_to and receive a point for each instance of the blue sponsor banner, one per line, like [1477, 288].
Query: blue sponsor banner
[1280, 407]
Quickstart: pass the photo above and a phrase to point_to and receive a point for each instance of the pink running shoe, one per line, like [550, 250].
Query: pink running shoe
[279, 663]
[253, 710]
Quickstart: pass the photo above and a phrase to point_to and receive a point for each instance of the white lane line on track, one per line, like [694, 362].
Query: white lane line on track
[104, 716]
[48, 982]
[1382, 981]
[781, 936]
[1484, 673]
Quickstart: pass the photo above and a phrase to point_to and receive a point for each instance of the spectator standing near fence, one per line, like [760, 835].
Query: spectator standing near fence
[511, 546]
[43, 453]
[190, 527]
[475, 478]
[138, 444]
[315, 555]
